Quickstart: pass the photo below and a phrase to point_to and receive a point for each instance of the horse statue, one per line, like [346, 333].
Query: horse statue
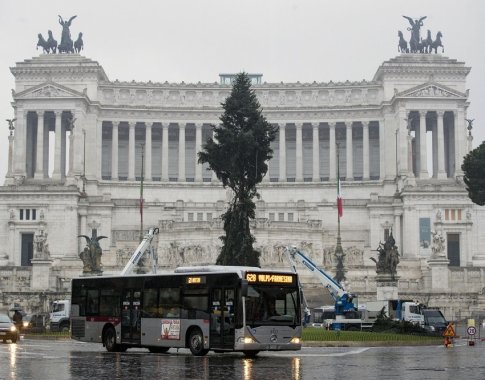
[402, 46]
[78, 44]
[388, 258]
[427, 43]
[437, 43]
[51, 42]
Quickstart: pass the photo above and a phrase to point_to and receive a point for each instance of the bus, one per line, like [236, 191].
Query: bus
[218, 308]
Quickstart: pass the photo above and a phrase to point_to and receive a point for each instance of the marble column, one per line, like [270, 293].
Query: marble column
[20, 146]
[396, 231]
[181, 174]
[403, 142]
[57, 175]
[165, 152]
[299, 152]
[99, 148]
[349, 152]
[131, 151]
[214, 175]
[198, 148]
[441, 145]
[282, 176]
[332, 159]
[39, 160]
[365, 150]
[423, 154]
[114, 151]
[316, 153]
[382, 151]
[11, 139]
[460, 130]
[148, 151]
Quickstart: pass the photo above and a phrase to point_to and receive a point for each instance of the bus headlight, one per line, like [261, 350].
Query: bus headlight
[13, 328]
[245, 339]
[26, 324]
[295, 340]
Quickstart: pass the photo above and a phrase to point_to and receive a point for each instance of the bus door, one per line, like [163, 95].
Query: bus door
[222, 320]
[131, 316]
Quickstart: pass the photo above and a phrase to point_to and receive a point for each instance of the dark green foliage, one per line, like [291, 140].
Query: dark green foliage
[238, 155]
[385, 324]
[474, 170]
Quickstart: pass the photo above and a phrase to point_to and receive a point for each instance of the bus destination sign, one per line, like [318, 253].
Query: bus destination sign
[195, 280]
[269, 278]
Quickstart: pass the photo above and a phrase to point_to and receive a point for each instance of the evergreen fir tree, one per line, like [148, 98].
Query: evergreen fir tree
[474, 170]
[238, 155]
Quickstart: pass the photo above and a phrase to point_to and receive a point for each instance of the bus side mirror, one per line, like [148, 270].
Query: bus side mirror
[244, 288]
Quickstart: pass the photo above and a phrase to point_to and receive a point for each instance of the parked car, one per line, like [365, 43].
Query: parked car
[434, 321]
[34, 323]
[8, 331]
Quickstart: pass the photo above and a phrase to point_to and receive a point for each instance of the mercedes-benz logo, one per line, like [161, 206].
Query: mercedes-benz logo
[273, 338]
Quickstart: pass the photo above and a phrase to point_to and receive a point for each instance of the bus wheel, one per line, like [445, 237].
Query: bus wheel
[250, 354]
[196, 343]
[158, 350]
[110, 340]
[64, 328]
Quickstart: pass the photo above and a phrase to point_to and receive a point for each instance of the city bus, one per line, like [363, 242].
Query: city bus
[218, 308]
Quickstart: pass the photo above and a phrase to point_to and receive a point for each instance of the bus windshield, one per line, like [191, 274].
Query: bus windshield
[271, 305]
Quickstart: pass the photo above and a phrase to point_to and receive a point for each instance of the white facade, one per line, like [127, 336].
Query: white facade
[401, 139]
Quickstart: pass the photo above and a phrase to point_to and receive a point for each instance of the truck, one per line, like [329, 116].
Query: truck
[324, 316]
[347, 315]
[398, 310]
[60, 315]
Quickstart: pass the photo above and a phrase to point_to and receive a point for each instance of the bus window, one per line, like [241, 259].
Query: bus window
[92, 302]
[170, 302]
[196, 307]
[150, 304]
[109, 303]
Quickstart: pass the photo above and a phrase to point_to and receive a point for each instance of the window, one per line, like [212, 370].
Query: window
[190, 217]
[281, 217]
[27, 214]
[170, 302]
[271, 216]
[200, 217]
[150, 303]
[34, 214]
[209, 216]
[290, 217]
[21, 216]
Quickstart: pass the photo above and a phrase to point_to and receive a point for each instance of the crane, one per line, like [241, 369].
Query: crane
[140, 250]
[344, 305]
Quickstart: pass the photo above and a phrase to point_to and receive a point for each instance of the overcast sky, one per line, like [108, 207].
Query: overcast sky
[285, 40]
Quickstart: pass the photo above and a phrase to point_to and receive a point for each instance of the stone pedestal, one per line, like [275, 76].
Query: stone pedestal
[439, 273]
[41, 274]
[387, 287]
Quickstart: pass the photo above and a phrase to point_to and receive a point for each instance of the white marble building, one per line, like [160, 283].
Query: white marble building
[401, 138]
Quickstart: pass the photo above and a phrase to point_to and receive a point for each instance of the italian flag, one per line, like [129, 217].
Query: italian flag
[340, 205]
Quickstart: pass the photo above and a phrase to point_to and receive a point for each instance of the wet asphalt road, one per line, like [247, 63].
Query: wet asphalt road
[65, 359]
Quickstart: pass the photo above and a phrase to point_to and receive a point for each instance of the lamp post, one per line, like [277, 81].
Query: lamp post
[339, 253]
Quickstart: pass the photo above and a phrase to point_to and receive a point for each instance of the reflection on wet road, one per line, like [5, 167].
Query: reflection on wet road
[36, 359]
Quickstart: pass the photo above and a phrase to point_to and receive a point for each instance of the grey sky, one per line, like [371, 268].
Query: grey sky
[285, 40]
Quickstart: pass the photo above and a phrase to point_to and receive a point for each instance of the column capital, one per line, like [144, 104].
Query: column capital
[348, 124]
[182, 125]
[440, 113]
[148, 124]
[132, 124]
[199, 124]
[365, 123]
[422, 113]
[40, 112]
[58, 113]
[165, 124]
[282, 124]
[315, 124]
[332, 124]
[299, 125]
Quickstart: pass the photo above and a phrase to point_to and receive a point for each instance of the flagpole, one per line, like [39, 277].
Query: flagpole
[141, 190]
[339, 253]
